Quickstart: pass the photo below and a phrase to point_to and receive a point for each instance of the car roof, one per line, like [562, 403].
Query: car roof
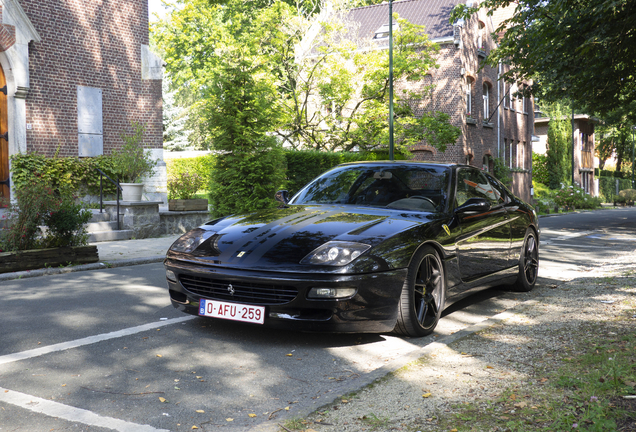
[403, 162]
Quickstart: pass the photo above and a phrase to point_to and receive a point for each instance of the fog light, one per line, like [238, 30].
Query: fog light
[171, 276]
[331, 293]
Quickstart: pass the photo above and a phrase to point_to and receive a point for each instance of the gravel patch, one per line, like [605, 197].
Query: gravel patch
[536, 337]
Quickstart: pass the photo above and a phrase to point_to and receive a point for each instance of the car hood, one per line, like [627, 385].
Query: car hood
[279, 239]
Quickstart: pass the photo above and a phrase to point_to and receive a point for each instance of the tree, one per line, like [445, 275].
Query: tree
[339, 91]
[559, 159]
[175, 118]
[582, 51]
[614, 138]
[249, 166]
[334, 96]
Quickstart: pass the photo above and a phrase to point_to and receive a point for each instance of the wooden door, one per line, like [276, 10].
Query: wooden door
[4, 140]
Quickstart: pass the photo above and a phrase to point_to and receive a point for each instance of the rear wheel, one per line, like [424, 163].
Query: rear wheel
[528, 264]
[423, 295]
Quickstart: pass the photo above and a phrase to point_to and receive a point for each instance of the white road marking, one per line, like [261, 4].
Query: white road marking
[78, 415]
[10, 358]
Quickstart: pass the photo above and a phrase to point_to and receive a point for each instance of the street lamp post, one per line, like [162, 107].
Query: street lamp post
[633, 127]
[391, 80]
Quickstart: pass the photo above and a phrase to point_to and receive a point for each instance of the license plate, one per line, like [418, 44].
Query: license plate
[232, 311]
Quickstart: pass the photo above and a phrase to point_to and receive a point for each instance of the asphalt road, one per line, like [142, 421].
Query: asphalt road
[104, 350]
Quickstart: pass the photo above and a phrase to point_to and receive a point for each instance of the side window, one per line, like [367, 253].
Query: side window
[472, 183]
[499, 189]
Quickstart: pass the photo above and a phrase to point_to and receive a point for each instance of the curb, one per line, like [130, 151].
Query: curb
[72, 269]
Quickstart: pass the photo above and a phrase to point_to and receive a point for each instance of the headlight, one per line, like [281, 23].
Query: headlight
[191, 240]
[331, 293]
[335, 253]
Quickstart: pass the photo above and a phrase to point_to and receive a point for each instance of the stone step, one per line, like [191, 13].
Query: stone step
[102, 236]
[99, 217]
[101, 226]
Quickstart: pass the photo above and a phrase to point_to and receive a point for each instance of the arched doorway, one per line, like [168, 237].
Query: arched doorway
[4, 139]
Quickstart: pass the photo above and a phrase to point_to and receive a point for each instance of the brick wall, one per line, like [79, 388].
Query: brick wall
[478, 140]
[93, 43]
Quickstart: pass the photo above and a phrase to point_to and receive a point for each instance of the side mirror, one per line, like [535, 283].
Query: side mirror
[474, 205]
[282, 196]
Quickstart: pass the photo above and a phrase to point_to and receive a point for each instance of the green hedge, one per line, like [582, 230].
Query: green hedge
[607, 186]
[78, 175]
[200, 165]
[302, 166]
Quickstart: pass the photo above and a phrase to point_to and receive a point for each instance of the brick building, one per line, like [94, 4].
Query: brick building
[494, 122]
[77, 74]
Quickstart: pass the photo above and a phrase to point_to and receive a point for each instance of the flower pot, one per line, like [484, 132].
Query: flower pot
[131, 191]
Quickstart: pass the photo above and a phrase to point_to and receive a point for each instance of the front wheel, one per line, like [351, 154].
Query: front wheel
[423, 295]
[528, 264]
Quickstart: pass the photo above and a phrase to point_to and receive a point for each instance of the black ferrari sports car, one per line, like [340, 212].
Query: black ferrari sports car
[365, 247]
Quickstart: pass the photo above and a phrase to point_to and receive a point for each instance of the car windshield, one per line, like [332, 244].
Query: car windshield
[398, 186]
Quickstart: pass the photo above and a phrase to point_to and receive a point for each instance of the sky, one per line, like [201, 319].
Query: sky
[155, 6]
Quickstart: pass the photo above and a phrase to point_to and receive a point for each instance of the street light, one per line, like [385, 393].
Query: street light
[391, 80]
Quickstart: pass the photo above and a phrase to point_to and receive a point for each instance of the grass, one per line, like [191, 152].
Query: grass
[582, 390]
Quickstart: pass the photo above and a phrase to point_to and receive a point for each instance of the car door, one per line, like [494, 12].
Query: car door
[483, 246]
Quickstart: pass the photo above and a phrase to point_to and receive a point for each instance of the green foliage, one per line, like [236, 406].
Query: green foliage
[77, 175]
[132, 161]
[66, 223]
[200, 165]
[607, 187]
[543, 196]
[629, 195]
[250, 165]
[568, 49]
[575, 197]
[332, 92]
[615, 138]
[502, 172]
[340, 92]
[36, 204]
[540, 171]
[559, 153]
[184, 185]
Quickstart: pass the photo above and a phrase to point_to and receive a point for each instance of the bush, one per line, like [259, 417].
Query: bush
[575, 197]
[201, 166]
[36, 204]
[66, 223]
[607, 187]
[540, 171]
[132, 161]
[629, 195]
[184, 185]
[70, 173]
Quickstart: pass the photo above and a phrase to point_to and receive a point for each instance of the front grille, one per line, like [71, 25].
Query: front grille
[244, 292]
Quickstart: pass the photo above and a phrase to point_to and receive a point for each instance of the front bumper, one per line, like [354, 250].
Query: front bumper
[373, 309]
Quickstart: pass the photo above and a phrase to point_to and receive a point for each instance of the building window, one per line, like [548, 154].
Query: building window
[511, 154]
[469, 96]
[505, 99]
[521, 153]
[511, 98]
[486, 96]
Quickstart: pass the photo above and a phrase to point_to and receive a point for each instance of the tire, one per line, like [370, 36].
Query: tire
[528, 264]
[423, 295]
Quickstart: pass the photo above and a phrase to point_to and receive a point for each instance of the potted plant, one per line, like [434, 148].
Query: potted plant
[132, 162]
[181, 190]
